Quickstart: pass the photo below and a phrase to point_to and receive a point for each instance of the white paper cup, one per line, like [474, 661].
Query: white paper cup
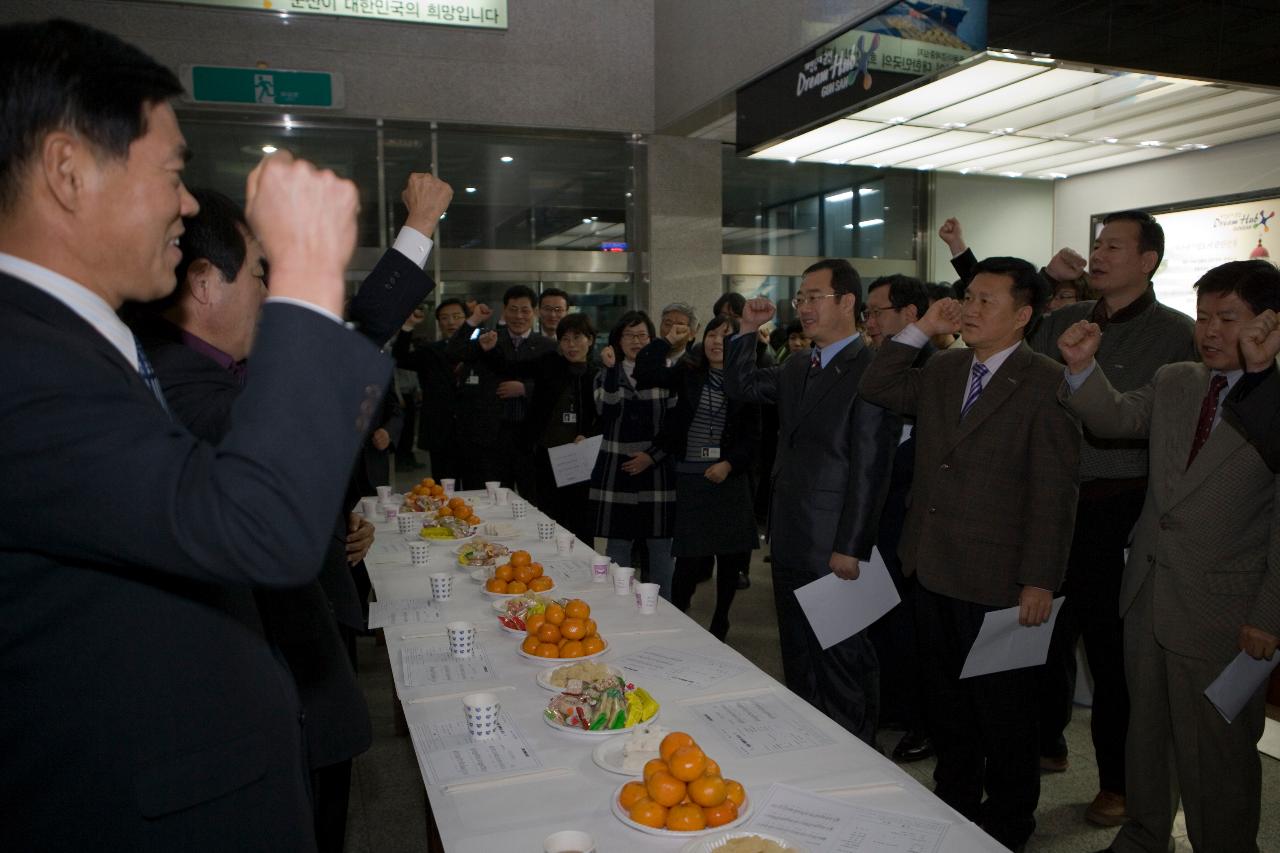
[370, 509]
[384, 492]
[481, 710]
[546, 530]
[462, 639]
[491, 488]
[600, 569]
[622, 578]
[569, 841]
[502, 496]
[448, 484]
[442, 586]
[564, 544]
[390, 512]
[410, 522]
[519, 508]
[419, 553]
[647, 597]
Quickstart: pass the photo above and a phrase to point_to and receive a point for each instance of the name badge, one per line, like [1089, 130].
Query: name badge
[473, 379]
[569, 417]
[710, 453]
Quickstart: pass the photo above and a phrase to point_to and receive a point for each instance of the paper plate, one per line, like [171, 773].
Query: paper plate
[544, 676]
[608, 756]
[413, 537]
[560, 661]
[510, 594]
[600, 734]
[716, 842]
[515, 631]
[481, 575]
[499, 531]
[743, 814]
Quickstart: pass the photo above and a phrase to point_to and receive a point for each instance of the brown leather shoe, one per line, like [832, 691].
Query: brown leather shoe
[1054, 763]
[1107, 809]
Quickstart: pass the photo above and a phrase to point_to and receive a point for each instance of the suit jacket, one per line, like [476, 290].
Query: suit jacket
[439, 384]
[480, 412]
[1253, 407]
[146, 710]
[1209, 535]
[835, 449]
[994, 497]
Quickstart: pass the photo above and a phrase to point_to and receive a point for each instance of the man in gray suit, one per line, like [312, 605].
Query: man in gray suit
[830, 477]
[1203, 578]
[989, 526]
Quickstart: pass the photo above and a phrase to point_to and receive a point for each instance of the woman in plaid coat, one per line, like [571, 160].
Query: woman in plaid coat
[632, 485]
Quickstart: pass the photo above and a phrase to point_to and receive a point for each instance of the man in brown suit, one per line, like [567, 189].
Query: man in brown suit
[989, 527]
[1203, 579]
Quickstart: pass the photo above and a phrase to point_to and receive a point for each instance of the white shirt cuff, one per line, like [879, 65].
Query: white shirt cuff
[414, 245]
[1075, 380]
[310, 306]
[912, 337]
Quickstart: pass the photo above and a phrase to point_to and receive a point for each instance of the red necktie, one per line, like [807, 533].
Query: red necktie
[815, 359]
[1208, 409]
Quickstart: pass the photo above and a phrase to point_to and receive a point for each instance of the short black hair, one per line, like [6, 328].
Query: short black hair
[1029, 287]
[1150, 234]
[555, 291]
[903, 291]
[576, 322]
[844, 279]
[697, 356]
[940, 290]
[1256, 282]
[626, 321]
[452, 300]
[795, 327]
[520, 291]
[60, 74]
[216, 234]
[734, 301]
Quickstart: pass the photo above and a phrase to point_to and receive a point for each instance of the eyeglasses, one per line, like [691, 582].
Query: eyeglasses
[873, 313]
[635, 336]
[803, 300]
[549, 310]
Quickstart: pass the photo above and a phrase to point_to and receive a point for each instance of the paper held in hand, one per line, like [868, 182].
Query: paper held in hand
[837, 609]
[1238, 682]
[572, 463]
[1002, 644]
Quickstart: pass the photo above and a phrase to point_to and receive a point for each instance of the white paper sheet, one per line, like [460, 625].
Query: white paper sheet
[428, 665]
[572, 463]
[1002, 644]
[447, 753]
[761, 725]
[685, 668]
[838, 609]
[825, 825]
[405, 611]
[1237, 683]
[388, 548]
[570, 572]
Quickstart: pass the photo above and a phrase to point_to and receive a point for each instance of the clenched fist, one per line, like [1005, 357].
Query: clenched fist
[952, 235]
[942, 318]
[427, 198]
[1067, 265]
[1079, 344]
[679, 335]
[480, 315]
[1260, 341]
[755, 313]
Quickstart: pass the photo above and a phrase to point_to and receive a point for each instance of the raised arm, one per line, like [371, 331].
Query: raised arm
[890, 381]
[460, 346]
[744, 379]
[1104, 411]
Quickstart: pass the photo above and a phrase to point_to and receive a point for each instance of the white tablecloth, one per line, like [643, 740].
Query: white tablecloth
[517, 815]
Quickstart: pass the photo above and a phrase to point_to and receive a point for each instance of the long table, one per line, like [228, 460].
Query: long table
[497, 813]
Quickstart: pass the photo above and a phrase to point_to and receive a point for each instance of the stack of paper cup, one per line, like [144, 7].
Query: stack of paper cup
[390, 512]
[600, 569]
[647, 597]
[482, 714]
[519, 508]
[622, 578]
[462, 639]
[546, 530]
[442, 586]
[419, 553]
[491, 488]
[384, 492]
[448, 484]
[501, 496]
[370, 510]
[564, 542]
[410, 522]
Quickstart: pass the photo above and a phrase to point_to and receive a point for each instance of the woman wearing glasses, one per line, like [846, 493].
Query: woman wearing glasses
[713, 441]
[631, 487]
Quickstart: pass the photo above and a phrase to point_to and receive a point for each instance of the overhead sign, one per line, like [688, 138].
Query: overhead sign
[488, 14]
[264, 87]
[908, 40]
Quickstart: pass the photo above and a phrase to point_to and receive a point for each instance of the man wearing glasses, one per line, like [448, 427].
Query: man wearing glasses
[829, 481]
[553, 304]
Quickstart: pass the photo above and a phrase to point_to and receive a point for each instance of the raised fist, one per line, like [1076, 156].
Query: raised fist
[1067, 265]
[942, 318]
[1078, 345]
[488, 340]
[427, 198]
[1260, 341]
[952, 235]
[480, 314]
[756, 312]
[679, 335]
[607, 356]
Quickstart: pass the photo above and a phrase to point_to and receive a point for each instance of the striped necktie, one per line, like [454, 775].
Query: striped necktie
[815, 359]
[148, 374]
[975, 388]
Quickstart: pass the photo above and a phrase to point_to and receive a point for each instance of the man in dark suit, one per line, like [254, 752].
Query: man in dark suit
[989, 526]
[492, 405]
[829, 481]
[439, 383]
[893, 303]
[1253, 405]
[149, 713]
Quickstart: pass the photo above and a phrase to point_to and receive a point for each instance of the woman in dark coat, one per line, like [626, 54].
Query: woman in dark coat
[712, 441]
[631, 487]
[562, 409]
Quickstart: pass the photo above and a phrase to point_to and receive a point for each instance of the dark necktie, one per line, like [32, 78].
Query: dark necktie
[975, 388]
[815, 359]
[148, 374]
[1208, 410]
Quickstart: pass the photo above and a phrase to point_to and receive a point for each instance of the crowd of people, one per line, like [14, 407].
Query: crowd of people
[176, 534]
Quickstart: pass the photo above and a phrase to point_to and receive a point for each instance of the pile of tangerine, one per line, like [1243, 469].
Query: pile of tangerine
[683, 790]
[562, 631]
[428, 488]
[458, 508]
[518, 575]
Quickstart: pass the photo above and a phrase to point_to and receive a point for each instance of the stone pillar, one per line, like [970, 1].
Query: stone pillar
[684, 244]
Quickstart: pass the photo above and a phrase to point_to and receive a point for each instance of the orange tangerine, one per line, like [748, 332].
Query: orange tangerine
[708, 791]
[573, 628]
[665, 789]
[719, 815]
[548, 633]
[521, 558]
[649, 813]
[592, 645]
[571, 649]
[555, 613]
[504, 572]
[591, 626]
[535, 569]
[686, 817]
[547, 650]
[653, 765]
[516, 587]
[541, 584]
[734, 791]
[496, 585]
[687, 763]
[530, 644]
[672, 742]
[713, 769]
[533, 622]
[524, 574]
[632, 793]
[577, 609]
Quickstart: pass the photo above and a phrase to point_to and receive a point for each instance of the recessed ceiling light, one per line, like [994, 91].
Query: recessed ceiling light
[1058, 175]
[791, 160]
[867, 191]
[1110, 140]
[1192, 146]
[926, 167]
[586, 221]
[628, 195]
[269, 149]
[1011, 174]
[954, 124]
[867, 223]
[1150, 143]
[471, 189]
[849, 226]
[897, 120]
[847, 194]
[506, 158]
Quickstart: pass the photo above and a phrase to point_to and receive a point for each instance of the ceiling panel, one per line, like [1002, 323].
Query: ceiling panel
[1101, 94]
[840, 130]
[1020, 94]
[890, 136]
[947, 90]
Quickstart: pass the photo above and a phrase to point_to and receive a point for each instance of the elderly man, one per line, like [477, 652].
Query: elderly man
[679, 314]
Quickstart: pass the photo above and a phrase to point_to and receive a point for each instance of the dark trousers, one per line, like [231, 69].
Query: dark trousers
[1105, 516]
[843, 681]
[903, 697]
[330, 794]
[688, 572]
[444, 465]
[985, 728]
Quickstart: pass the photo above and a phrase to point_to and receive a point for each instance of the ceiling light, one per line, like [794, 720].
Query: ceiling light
[868, 223]
[1011, 174]
[1150, 143]
[506, 158]
[1059, 175]
[269, 149]
[867, 191]
[953, 125]
[1110, 140]
[471, 189]
[849, 226]
[847, 194]
[628, 195]
[897, 120]
[1191, 146]
[975, 78]
[586, 221]
[927, 167]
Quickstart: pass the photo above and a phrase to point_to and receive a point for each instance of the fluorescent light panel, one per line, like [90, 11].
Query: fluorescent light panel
[1093, 124]
[947, 90]
[1222, 105]
[1009, 161]
[1023, 93]
[924, 148]
[817, 139]
[991, 145]
[886, 139]
[1121, 157]
[1106, 92]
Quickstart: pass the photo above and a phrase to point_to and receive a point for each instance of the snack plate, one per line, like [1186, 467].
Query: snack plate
[608, 756]
[501, 531]
[716, 842]
[743, 814]
[570, 730]
[412, 537]
[560, 661]
[509, 594]
[544, 676]
[481, 575]
[515, 631]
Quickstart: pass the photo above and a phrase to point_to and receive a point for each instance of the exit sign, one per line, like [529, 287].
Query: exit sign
[264, 87]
